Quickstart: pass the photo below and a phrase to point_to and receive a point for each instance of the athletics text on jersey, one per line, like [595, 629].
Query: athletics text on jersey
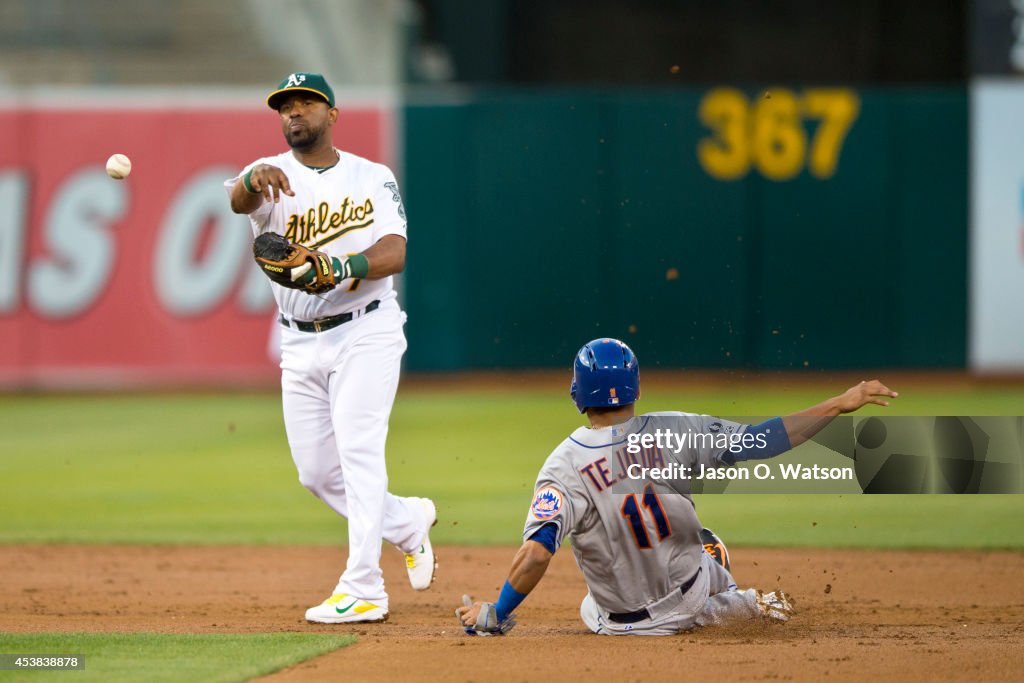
[341, 210]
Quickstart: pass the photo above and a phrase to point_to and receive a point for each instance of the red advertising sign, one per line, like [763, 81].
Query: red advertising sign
[146, 280]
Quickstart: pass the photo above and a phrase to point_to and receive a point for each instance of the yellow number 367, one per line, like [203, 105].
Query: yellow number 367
[769, 133]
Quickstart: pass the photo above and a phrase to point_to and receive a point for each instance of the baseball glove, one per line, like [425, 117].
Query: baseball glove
[293, 265]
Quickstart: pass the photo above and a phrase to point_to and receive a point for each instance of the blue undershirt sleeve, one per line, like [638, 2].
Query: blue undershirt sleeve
[770, 439]
[547, 536]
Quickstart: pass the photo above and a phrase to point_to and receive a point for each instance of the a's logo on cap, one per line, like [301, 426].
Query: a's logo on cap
[295, 80]
[547, 503]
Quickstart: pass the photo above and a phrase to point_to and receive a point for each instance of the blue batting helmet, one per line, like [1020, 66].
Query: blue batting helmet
[605, 374]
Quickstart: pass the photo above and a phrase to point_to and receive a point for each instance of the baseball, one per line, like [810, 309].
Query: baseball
[119, 166]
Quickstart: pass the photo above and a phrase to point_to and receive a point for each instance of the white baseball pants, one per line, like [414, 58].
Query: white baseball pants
[337, 389]
[712, 600]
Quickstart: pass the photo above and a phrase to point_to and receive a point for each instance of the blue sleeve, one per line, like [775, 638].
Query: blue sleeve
[770, 439]
[547, 536]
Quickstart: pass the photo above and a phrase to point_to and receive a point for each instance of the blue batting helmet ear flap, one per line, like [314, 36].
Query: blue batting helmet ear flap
[605, 374]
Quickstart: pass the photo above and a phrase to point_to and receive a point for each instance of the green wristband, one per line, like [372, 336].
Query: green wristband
[355, 266]
[358, 265]
[247, 181]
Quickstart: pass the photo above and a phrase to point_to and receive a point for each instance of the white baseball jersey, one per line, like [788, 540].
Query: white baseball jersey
[338, 385]
[343, 210]
[635, 540]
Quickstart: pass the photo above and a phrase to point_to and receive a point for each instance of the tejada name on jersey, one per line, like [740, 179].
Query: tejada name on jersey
[307, 226]
[601, 471]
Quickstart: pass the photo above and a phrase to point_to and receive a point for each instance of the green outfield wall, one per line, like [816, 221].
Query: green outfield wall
[722, 227]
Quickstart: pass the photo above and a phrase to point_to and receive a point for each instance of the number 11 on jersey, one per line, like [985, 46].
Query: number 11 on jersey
[631, 511]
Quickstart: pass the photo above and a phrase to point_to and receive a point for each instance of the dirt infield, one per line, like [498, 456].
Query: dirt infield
[862, 615]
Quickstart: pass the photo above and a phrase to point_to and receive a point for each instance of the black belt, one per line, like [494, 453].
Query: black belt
[324, 324]
[641, 614]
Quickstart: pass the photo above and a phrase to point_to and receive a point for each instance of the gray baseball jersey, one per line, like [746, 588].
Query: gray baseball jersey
[634, 539]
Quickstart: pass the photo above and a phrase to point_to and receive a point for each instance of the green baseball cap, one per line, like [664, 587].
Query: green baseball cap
[308, 82]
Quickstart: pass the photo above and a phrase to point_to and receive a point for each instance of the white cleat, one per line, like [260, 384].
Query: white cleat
[775, 605]
[422, 563]
[345, 609]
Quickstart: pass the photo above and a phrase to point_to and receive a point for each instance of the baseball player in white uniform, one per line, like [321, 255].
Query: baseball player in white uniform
[649, 566]
[341, 348]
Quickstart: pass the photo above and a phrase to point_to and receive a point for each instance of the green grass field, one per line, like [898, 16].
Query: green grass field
[163, 658]
[215, 469]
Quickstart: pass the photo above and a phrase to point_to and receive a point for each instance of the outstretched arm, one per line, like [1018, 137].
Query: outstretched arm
[780, 434]
[803, 425]
[528, 568]
[262, 183]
